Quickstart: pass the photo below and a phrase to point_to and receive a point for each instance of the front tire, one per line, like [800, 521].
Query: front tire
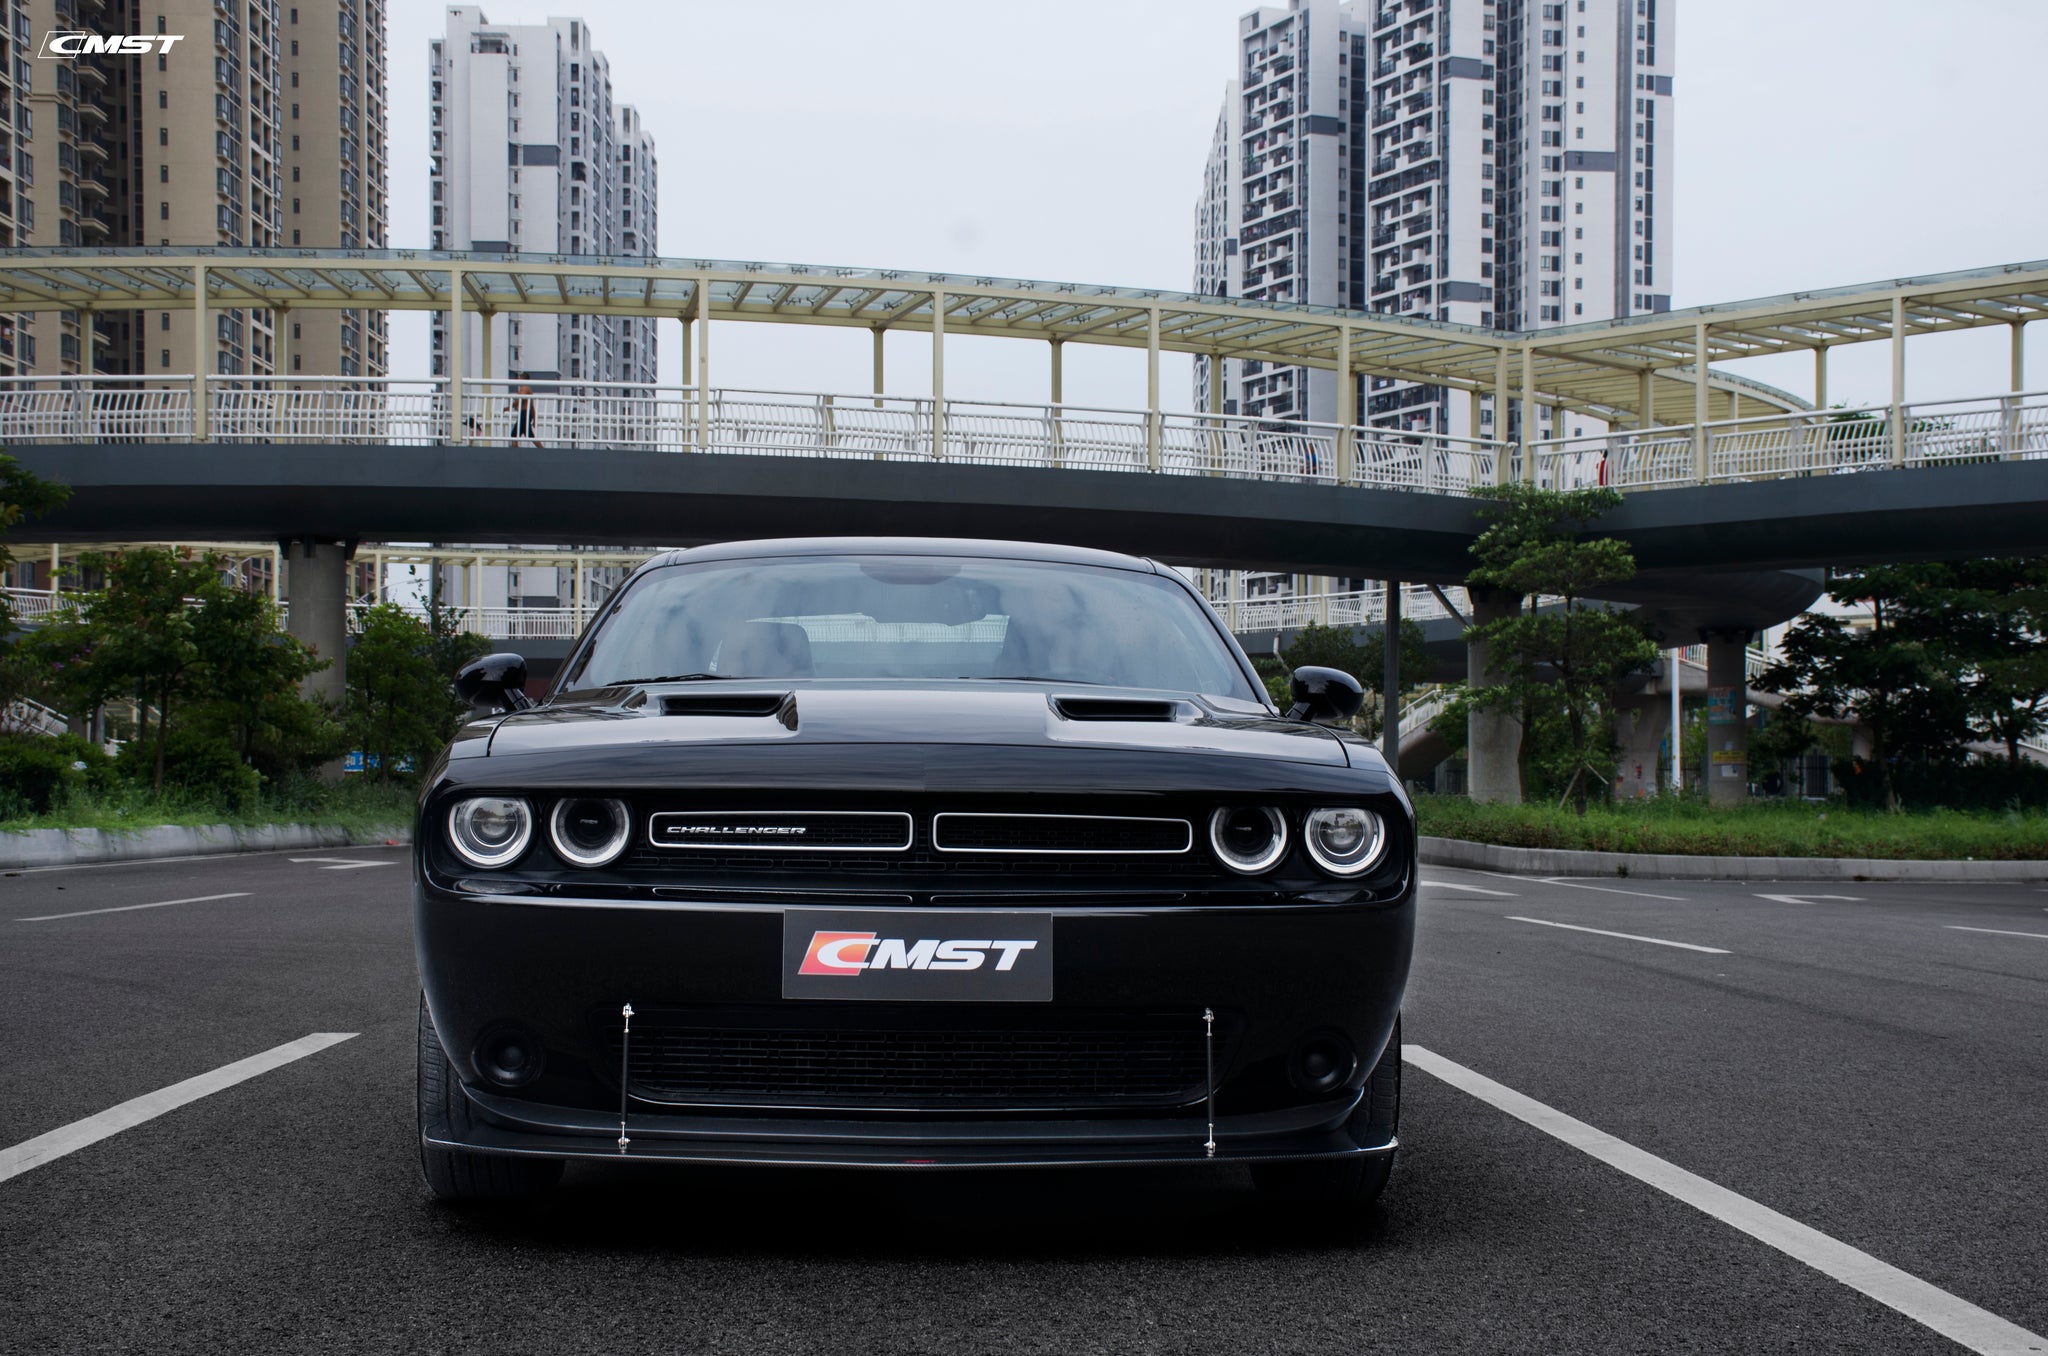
[1348, 1183]
[455, 1174]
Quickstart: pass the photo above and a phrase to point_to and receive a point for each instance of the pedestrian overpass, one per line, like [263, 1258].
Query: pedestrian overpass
[1728, 484]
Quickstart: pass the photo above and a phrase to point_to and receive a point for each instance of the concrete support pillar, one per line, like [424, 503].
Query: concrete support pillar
[281, 348]
[1820, 376]
[487, 355]
[316, 595]
[1493, 736]
[1390, 681]
[1646, 398]
[1058, 392]
[880, 343]
[684, 321]
[1727, 769]
[87, 359]
[2019, 355]
[1472, 412]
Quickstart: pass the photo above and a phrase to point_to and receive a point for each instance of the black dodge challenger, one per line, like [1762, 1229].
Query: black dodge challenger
[905, 852]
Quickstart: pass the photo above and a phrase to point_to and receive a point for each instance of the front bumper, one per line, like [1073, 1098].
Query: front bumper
[1274, 973]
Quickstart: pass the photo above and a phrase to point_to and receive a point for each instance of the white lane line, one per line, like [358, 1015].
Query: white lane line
[1626, 936]
[1810, 899]
[1953, 1317]
[1609, 890]
[130, 908]
[1997, 932]
[33, 1153]
[1468, 889]
[341, 863]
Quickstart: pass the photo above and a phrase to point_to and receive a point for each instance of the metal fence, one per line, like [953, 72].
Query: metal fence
[394, 412]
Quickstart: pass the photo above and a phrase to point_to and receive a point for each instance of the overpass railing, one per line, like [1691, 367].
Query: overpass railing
[2008, 427]
[395, 412]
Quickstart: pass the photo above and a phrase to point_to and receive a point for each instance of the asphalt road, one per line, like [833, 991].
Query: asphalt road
[1865, 1066]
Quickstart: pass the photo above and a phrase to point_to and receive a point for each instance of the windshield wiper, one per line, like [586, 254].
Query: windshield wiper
[1033, 678]
[677, 678]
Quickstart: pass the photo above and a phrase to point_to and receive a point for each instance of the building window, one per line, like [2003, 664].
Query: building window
[163, 211]
[295, 111]
[163, 98]
[163, 174]
[166, 358]
[165, 321]
[295, 173]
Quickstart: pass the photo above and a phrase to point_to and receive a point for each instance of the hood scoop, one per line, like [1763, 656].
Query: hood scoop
[1154, 709]
[780, 705]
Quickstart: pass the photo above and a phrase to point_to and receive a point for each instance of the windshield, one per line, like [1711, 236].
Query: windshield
[912, 617]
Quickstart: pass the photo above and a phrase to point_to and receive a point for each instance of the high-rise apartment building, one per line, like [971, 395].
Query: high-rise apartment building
[261, 125]
[1501, 163]
[333, 94]
[530, 154]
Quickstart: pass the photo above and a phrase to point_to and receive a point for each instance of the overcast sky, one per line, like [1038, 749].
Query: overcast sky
[1819, 142]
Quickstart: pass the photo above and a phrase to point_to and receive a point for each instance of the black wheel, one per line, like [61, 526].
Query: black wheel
[453, 1174]
[1348, 1182]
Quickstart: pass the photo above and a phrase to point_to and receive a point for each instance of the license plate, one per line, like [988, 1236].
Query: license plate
[890, 956]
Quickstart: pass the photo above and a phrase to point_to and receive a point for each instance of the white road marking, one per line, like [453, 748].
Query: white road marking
[341, 863]
[1608, 889]
[33, 1153]
[1468, 889]
[1809, 899]
[1953, 1317]
[1626, 936]
[1999, 932]
[129, 908]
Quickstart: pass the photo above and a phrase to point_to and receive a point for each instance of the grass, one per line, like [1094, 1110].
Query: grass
[1687, 826]
[360, 807]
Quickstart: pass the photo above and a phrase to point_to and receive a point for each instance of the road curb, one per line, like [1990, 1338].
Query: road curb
[77, 847]
[1672, 866]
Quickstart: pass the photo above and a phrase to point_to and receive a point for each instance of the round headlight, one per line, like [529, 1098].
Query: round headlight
[589, 832]
[1248, 838]
[1344, 840]
[490, 831]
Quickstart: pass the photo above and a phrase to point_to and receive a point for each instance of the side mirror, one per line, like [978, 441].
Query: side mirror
[497, 682]
[1324, 696]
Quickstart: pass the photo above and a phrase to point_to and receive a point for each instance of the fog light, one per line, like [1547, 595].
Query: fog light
[1323, 1062]
[510, 1055]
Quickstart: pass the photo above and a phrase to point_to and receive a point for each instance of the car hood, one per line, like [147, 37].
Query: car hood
[1010, 714]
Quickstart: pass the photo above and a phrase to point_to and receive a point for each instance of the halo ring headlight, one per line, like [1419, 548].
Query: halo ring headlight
[490, 831]
[589, 830]
[1248, 839]
[1344, 840]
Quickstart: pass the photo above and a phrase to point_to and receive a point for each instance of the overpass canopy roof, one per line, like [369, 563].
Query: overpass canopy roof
[1595, 367]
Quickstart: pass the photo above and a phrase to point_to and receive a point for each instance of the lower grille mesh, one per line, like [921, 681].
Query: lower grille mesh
[1119, 1060]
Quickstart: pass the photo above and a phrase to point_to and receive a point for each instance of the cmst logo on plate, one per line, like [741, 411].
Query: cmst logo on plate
[63, 46]
[850, 953]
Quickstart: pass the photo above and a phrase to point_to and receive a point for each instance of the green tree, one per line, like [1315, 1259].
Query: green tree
[1900, 678]
[22, 495]
[1561, 657]
[142, 635]
[252, 676]
[1995, 616]
[400, 703]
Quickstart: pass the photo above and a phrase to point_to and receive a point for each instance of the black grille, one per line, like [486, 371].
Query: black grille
[1059, 833]
[1102, 1061]
[682, 831]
